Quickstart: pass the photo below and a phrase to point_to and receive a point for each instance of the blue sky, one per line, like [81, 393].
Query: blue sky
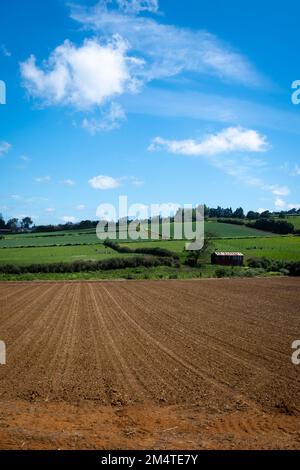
[163, 101]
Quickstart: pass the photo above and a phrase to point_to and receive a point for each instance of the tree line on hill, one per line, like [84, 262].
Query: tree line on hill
[263, 221]
[26, 224]
[239, 213]
[15, 224]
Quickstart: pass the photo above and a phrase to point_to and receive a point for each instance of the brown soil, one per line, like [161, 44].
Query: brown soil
[150, 364]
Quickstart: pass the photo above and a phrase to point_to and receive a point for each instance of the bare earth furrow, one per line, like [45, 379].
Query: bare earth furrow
[171, 342]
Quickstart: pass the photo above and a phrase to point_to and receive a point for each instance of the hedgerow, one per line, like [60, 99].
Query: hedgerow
[155, 251]
[292, 268]
[80, 266]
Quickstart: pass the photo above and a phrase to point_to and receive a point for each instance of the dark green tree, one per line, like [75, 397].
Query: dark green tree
[26, 222]
[12, 224]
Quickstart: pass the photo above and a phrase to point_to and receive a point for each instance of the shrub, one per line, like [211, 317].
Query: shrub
[294, 268]
[173, 276]
[263, 263]
[80, 266]
[221, 272]
[291, 268]
[155, 251]
[281, 227]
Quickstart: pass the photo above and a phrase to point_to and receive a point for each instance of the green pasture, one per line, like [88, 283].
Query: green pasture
[55, 254]
[281, 248]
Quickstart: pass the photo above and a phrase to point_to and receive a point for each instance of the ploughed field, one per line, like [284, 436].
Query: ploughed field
[202, 361]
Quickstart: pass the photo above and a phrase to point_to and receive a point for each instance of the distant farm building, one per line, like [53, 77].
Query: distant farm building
[227, 258]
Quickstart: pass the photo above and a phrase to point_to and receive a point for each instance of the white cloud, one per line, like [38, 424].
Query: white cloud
[83, 77]
[294, 206]
[279, 203]
[104, 182]
[136, 6]
[80, 207]
[69, 182]
[109, 121]
[68, 218]
[128, 50]
[231, 139]
[261, 210]
[43, 179]
[278, 190]
[50, 210]
[4, 148]
[216, 147]
[167, 50]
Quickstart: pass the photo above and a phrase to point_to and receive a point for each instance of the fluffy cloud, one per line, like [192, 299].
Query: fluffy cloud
[83, 77]
[50, 210]
[279, 203]
[128, 50]
[4, 148]
[104, 182]
[167, 50]
[260, 210]
[216, 147]
[232, 139]
[278, 190]
[80, 207]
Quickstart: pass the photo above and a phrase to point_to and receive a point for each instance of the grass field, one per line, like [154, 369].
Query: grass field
[49, 240]
[177, 246]
[56, 254]
[88, 237]
[217, 229]
[295, 220]
[83, 245]
[285, 248]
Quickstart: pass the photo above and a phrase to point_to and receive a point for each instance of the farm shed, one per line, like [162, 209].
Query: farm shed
[227, 258]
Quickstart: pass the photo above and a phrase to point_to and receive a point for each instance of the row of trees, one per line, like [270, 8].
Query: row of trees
[15, 224]
[219, 212]
[282, 227]
[84, 224]
[228, 213]
[26, 223]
